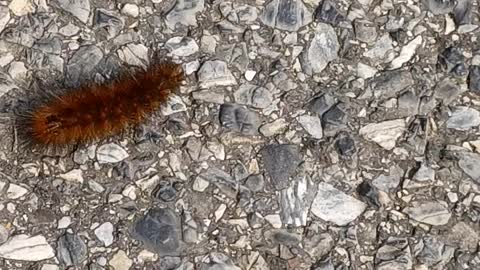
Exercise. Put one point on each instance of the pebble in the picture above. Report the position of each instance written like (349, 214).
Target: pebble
(215, 73)
(463, 118)
(75, 175)
(21, 7)
(64, 222)
(120, 261)
(111, 153)
(78, 8)
(131, 10)
(430, 212)
(240, 119)
(104, 233)
(280, 162)
(71, 250)
(332, 205)
(384, 133)
(274, 128)
(181, 46)
(323, 49)
(252, 95)
(15, 191)
(22, 247)
(184, 13)
(406, 53)
(285, 15)
(312, 125)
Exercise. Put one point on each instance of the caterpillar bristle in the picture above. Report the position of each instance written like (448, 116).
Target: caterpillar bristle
(66, 117)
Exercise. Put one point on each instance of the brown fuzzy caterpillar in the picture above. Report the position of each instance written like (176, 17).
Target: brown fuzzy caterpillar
(97, 111)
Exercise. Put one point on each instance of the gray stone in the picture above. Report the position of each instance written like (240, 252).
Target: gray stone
(389, 84)
(468, 162)
(331, 204)
(71, 250)
(462, 12)
(435, 254)
(273, 128)
(406, 53)
(239, 119)
(218, 261)
(312, 125)
(463, 236)
(104, 233)
(295, 201)
(181, 46)
(474, 79)
(433, 213)
(384, 133)
(82, 63)
(281, 162)
(159, 231)
(134, 54)
(111, 153)
(382, 51)
(107, 24)
(365, 31)
(215, 73)
(439, 7)
(463, 118)
(210, 96)
(424, 173)
(289, 15)
(78, 8)
(120, 261)
(184, 13)
(282, 237)
(328, 13)
(447, 91)
(321, 104)
(252, 95)
(22, 247)
(323, 49)
(394, 254)
(318, 245)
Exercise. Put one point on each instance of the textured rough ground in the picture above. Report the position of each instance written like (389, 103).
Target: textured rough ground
(309, 134)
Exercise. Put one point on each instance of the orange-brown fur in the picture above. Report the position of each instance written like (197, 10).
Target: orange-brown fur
(94, 112)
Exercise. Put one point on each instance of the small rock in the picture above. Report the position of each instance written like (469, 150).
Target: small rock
(387, 183)
(104, 233)
(21, 7)
(435, 253)
(4, 17)
(394, 254)
(71, 250)
(74, 175)
(120, 261)
(255, 182)
(365, 71)
(434, 213)
(440, 7)
(131, 10)
(274, 128)
(218, 261)
(318, 245)
(369, 193)
(328, 13)
(474, 79)
(345, 146)
(463, 236)
(83, 62)
(296, 200)
(252, 95)
(107, 24)
(463, 118)
(4, 234)
(134, 54)
(446, 91)
(282, 237)
(181, 46)
(78, 8)
(323, 49)
(424, 173)
(452, 60)
(250, 74)
(289, 15)
(111, 153)
(384, 133)
(25, 248)
(49, 267)
(312, 125)
(382, 51)
(365, 31)
(406, 53)
(15, 191)
(468, 162)
(239, 119)
(64, 222)
(330, 204)
(158, 230)
(200, 184)
(17, 71)
(280, 162)
(184, 13)
(215, 73)
(389, 84)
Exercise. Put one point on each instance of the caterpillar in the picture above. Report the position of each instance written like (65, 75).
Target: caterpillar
(95, 111)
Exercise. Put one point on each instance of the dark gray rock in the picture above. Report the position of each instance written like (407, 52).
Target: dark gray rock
(239, 119)
(282, 237)
(438, 7)
(165, 191)
(71, 249)
(365, 31)
(394, 254)
(328, 13)
(462, 12)
(280, 162)
(82, 64)
(369, 193)
(321, 104)
(447, 91)
(159, 231)
(107, 24)
(345, 145)
(474, 79)
(289, 15)
(452, 60)
(389, 84)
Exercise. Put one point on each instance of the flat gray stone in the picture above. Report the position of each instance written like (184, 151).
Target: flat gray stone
(252, 95)
(184, 13)
(469, 163)
(215, 73)
(384, 133)
(311, 124)
(463, 118)
(433, 213)
(78, 8)
(26, 248)
(331, 204)
(323, 49)
(390, 83)
(280, 162)
(83, 62)
(289, 15)
(111, 153)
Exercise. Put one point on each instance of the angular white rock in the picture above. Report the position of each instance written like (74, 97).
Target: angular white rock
(406, 53)
(25, 248)
(215, 73)
(104, 233)
(384, 133)
(331, 204)
(312, 125)
(111, 153)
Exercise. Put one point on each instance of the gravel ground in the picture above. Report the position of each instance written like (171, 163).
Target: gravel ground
(314, 134)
